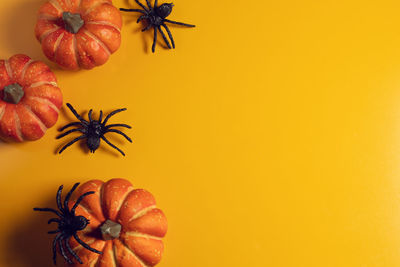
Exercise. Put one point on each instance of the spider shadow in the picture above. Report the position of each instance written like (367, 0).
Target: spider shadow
(19, 31)
(116, 140)
(28, 243)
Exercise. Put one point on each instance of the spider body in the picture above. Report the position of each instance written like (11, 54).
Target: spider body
(68, 225)
(156, 17)
(93, 130)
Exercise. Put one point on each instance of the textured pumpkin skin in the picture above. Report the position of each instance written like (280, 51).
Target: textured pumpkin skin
(39, 107)
(143, 225)
(92, 45)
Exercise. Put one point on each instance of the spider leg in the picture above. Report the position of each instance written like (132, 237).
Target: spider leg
(179, 23)
(118, 125)
(113, 146)
(72, 142)
(53, 220)
(141, 18)
(70, 131)
(79, 201)
(133, 10)
(155, 3)
(140, 4)
(90, 115)
(148, 4)
(66, 200)
(147, 27)
(55, 248)
(86, 245)
(58, 198)
(112, 114)
(69, 125)
(100, 116)
(50, 210)
(169, 34)
(76, 114)
(164, 37)
(60, 244)
(119, 132)
(153, 48)
(71, 251)
(54, 232)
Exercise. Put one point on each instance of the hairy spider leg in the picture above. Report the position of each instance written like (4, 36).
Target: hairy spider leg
(66, 200)
(79, 201)
(100, 116)
(55, 248)
(133, 10)
(112, 114)
(153, 48)
(86, 245)
(169, 34)
(119, 132)
(68, 246)
(70, 131)
(118, 125)
(164, 37)
(113, 146)
(71, 143)
(60, 244)
(58, 198)
(179, 23)
(53, 220)
(148, 4)
(140, 4)
(142, 17)
(54, 232)
(70, 125)
(76, 114)
(90, 115)
(50, 210)
(155, 3)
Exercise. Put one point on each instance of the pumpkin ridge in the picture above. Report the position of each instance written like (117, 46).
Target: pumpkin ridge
(57, 44)
(100, 42)
(47, 33)
(139, 234)
(56, 5)
(44, 101)
(89, 10)
(27, 64)
(75, 49)
(8, 69)
(114, 254)
(142, 212)
(39, 121)
(123, 201)
(2, 111)
(105, 23)
(37, 84)
(18, 126)
(134, 254)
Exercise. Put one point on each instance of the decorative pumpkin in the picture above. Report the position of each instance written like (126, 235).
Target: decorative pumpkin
(79, 33)
(29, 99)
(124, 224)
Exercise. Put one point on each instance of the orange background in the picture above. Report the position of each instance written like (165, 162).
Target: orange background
(270, 136)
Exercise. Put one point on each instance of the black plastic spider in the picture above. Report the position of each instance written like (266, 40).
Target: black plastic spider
(93, 130)
(68, 225)
(156, 17)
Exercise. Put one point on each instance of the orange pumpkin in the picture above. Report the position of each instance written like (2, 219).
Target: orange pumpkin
(29, 99)
(125, 225)
(79, 33)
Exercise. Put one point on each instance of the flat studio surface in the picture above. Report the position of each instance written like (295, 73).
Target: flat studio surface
(269, 136)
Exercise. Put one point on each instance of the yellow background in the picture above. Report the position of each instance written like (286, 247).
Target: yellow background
(270, 136)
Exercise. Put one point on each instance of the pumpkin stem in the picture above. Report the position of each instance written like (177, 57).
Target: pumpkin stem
(13, 93)
(110, 230)
(73, 22)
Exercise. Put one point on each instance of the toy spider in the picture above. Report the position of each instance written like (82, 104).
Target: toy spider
(156, 17)
(93, 130)
(68, 225)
